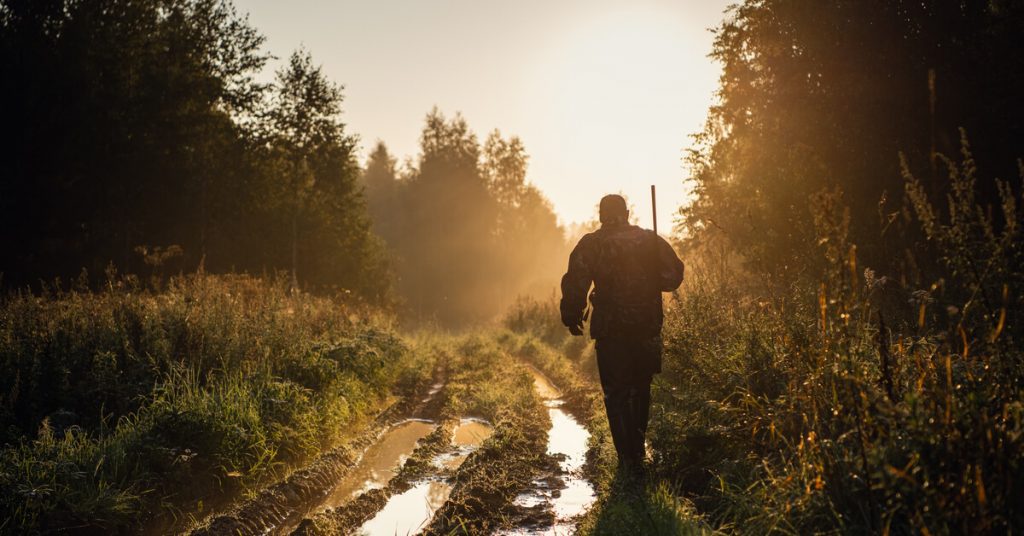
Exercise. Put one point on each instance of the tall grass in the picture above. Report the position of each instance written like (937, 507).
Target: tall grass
(541, 319)
(127, 404)
(857, 402)
(862, 403)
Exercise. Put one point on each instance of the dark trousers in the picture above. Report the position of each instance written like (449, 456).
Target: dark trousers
(626, 368)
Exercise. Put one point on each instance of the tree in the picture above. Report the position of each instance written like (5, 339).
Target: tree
(313, 183)
(534, 243)
(120, 131)
(450, 218)
(822, 96)
(468, 232)
(504, 167)
(382, 187)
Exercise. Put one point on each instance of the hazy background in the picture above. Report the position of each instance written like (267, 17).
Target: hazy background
(603, 94)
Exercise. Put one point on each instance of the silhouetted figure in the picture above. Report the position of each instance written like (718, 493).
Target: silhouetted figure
(629, 267)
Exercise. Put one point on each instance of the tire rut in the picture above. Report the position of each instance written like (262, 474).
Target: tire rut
(280, 506)
(561, 491)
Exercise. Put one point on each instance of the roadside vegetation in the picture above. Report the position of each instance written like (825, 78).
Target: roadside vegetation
(844, 355)
(858, 403)
(622, 506)
(132, 405)
(861, 404)
(481, 380)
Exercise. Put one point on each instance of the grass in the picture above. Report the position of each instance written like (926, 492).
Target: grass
(129, 406)
(848, 403)
(482, 381)
(623, 506)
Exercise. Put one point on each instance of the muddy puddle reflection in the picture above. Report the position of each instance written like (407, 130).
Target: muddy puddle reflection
(409, 512)
(545, 389)
(381, 461)
(567, 442)
(433, 391)
(467, 438)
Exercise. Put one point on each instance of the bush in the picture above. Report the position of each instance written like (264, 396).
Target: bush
(127, 404)
(858, 403)
(539, 318)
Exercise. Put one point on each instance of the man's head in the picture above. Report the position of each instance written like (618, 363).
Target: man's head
(613, 209)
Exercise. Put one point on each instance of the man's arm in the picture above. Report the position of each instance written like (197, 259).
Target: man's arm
(575, 285)
(670, 268)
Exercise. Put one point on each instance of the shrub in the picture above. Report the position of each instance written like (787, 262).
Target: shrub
(859, 403)
(540, 318)
(128, 404)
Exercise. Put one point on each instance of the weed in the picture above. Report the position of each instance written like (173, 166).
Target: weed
(130, 405)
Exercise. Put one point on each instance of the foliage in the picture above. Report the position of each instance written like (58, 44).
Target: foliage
(857, 404)
(537, 317)
(313, 190)
(140, 126)
(821, 96)
(867, 378)
(468, 232)
(128, 405)
(112, 104)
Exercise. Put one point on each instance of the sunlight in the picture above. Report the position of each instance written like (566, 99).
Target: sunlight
(621, 93)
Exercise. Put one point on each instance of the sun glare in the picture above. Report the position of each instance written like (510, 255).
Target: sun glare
(620, 94)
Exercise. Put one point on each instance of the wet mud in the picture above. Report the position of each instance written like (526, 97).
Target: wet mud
(278, 508)
(409, 500)
(381, 462)
(561, 492)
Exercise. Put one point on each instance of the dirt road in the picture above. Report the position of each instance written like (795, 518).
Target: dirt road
(491, 445)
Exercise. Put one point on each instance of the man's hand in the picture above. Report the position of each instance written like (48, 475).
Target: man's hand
(576, 329)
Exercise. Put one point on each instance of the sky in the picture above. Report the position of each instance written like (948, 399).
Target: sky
(604, 94)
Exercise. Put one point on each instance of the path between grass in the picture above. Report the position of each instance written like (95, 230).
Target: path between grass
(484, 378)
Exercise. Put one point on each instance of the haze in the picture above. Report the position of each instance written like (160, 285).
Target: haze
(603, 94)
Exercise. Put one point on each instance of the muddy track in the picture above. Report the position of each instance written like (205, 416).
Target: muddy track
(289, 500)
(534, 476)
(486, 485)
(529, 477)
(478, 488)
(561, 490)
(349, 516)
(474, 494)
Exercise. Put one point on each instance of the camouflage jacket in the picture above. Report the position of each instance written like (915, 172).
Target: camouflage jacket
(629, 267)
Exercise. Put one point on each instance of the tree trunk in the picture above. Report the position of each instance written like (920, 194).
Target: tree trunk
(295, 250)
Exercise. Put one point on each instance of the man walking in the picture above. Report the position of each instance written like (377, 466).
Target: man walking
(629, 267)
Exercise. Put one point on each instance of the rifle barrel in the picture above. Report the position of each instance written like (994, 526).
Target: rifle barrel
(654, 209)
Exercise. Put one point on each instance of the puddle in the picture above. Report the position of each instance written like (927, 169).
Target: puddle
(433, 391)
(574, 499)
(381, 461)
(407, 513)
(467, 438)
(567, 442)
(544, 387)
(567, 438)
(471, 433)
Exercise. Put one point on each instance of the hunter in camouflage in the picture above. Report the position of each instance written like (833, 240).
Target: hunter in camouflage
(629, 268)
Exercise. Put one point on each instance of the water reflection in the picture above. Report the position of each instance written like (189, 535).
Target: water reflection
(381, 461)
(567, 442)
(467, 438)
(409, 512)
(567, 439)
(545, 389)
(471, 433)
